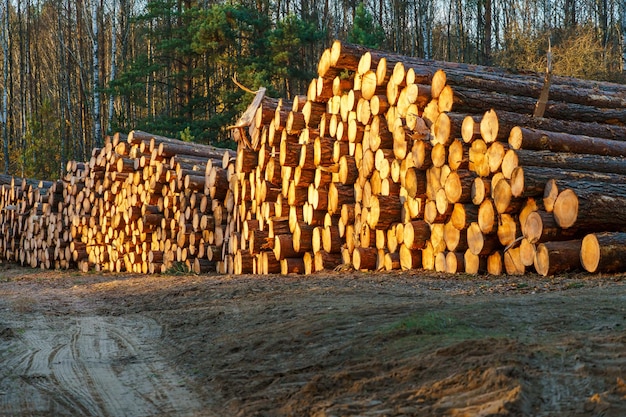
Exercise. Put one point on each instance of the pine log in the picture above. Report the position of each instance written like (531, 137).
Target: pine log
(292, 266)
(508, 231)
(324, 260)
(573, 161)
(410, 258)
(473, 100)
(509, 120)
(495, 264)
(479, 243)
(458, 186)
(558, 257)
(365, 259)
(474, 263)
(512, 262)
(541, 226)
(603, 252)
(535, 139)
(589, 206)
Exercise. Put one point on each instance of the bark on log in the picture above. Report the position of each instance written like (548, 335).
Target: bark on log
(535, 139)
(604, 252)
(590, 206)
(557, 257)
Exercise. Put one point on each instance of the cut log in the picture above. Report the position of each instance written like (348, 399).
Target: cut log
(475, 100)
(512, 262)
(603, 252)
(535, 139)
(540, 226)
(527, 252)
(365, 259)
(479, 243)
(495, 263)
(474, 263)
(557, 257)
(507, 230)
(325, 260)
(458, 186)
(292, 266)
(410, 258)
(455, 262)
(509, 120)
(591, 206)
(572, 161)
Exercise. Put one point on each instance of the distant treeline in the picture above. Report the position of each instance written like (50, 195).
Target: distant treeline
(75, 71)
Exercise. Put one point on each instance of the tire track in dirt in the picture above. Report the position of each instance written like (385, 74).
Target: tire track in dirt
(89, 366)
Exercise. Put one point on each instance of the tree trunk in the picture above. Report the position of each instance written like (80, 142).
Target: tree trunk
(113, 69)
(97, 129)
(5, 93)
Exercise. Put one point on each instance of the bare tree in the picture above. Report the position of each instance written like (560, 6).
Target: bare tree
(622, 12)
(113, 62)
(5, 93)
(97, 126)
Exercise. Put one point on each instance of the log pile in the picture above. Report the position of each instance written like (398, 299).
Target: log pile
(391, 162)
(142, 203)
(149, 207)
(33, 226)
(386, 163)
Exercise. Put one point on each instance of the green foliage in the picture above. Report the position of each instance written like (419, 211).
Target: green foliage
(287, 43)
(40, 155)
(186, 135)
(178, 268)
(364, 30)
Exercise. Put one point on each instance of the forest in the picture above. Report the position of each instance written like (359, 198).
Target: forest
(75, 71)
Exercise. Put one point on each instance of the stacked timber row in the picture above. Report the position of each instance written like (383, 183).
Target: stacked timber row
(33, 225)
(145, 205)
(391, 162)
(388, 162)
(141, 204)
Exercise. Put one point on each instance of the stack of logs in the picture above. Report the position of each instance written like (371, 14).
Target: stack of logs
(33, 226)
(391, 162)
(388, 162)
(143, 203)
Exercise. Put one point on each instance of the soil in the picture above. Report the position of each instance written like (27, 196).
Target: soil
(334, 344)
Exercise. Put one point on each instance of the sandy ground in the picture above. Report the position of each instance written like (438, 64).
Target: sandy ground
(337, 344)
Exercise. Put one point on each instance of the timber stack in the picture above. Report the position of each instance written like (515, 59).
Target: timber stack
(387, 162)
(142, 203)
(393, 162)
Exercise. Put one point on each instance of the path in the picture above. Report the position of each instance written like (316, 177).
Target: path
(88, 366)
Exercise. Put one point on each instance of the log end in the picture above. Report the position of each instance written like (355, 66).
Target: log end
(467, 129)
(566, 209)
(324, 63)
(516, 138)
(542, 260)
(438, 83)
(365, 63)
(590, 253)
(489, 126)
(533, 227)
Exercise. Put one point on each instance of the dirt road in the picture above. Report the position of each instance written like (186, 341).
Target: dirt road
(326, 345)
